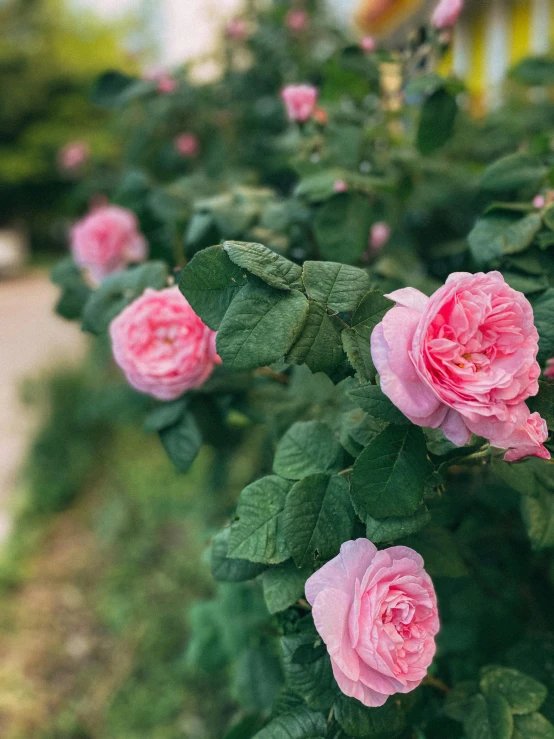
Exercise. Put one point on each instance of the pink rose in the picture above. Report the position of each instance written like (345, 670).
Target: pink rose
(527, 440)
(73, 155)
(340, 186)
(187, 144)
(300, 101)
(236, 29)
(166, 84)
(106, 240)
(380, 234)
(377, 613)
(463, 360)
(539, 201)
(297, 20)
(446, 13)
(368, 44)
(162, 346)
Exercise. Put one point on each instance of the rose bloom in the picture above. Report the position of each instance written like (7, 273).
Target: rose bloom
(446, 13)
(380, 234)
(73, 155)
(377, 613)
(187, 144)
(464, 360)
(300, 101)
(162, 346)
(368, 44)
(107, 240)
(236, 29)
(297, 20)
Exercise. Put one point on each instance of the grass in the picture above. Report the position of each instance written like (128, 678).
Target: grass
(107, 556)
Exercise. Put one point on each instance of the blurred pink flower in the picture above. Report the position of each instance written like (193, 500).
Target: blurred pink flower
(340, 186)
(446, 13)
(166, 84)
(297, 20)
(380, 234)
(187, 144)
(377, 613)
(300, 101)
(73, 155)
(539, 201)
(237, 29)
(549, 371)
(368, 44)
(106, 240)
(162, 346)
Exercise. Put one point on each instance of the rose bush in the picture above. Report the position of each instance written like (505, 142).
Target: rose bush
(381, 300)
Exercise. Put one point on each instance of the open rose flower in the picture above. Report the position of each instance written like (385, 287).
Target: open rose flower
(377, 613)
(464, 360)
(162, 346)
(300, 101)
(107, 240)
(446, 13)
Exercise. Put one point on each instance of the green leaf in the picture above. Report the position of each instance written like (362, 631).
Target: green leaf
(210, 282)
(312, 679)
(534, 71)
(538, 518)
(534, 726)
(389, 529)
(300, 723)
(257, 532)
(270, 267)
(458, 700)
(489, 718)
(260, 326)
(439, 549)
(319, 344)
(389, 475)
(75, 292)
(523, 693)
(375, 403)
(436, 121)
(543, 309)
(307, 447)
(117, 291)
(166, 414)
(342, 227)
(543, 403)
(318, 518)
(182, 442)
(319, 186)
(514, 172)
(283, 586)
(339, 287)
(494, 236)
(356, 339)
(227, 569)
(256, 678)
(529, 477)
(109, 88)
(386, 722)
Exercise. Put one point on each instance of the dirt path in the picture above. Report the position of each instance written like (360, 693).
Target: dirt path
(32, 340)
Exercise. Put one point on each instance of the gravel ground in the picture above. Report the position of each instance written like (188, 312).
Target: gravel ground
(32, 340)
